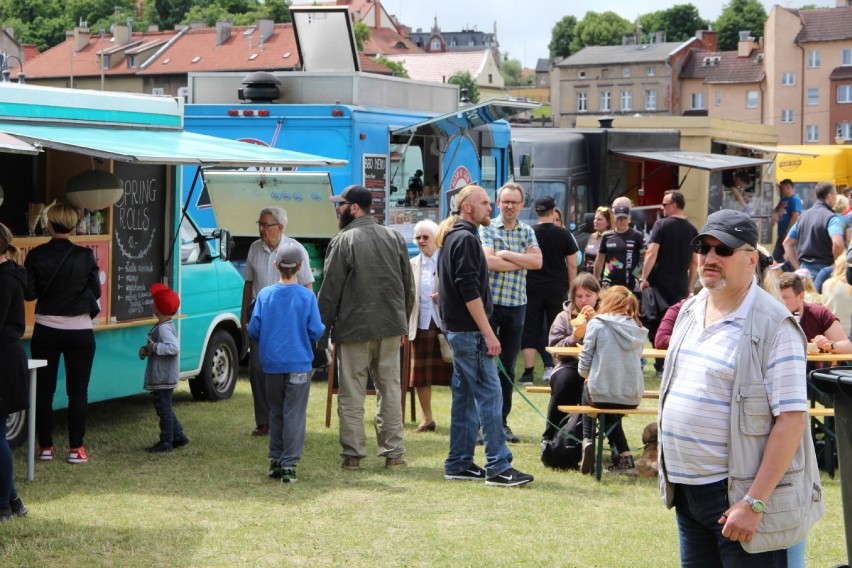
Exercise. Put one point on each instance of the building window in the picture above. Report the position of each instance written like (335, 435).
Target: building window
(649, 72)
(606, 101)
(435, 45)
(490, 79)
(453, 43)
(718, 98)
(131, 61)
(813, 96)
(604, 73)
(844, 130)
(651, 100)
(788, 79)
(581, 74)
(625, 72)
(844, 94)
(582, 102)
(846, 57)
(813, 133)
(105, 61)
(626, 100)
(698, 102)
(787, 116)
(813, 59)
(752, 99)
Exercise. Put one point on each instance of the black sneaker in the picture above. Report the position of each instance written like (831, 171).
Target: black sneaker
(6, 515)
(510, 436)
(509, 478)
(18, 507)
(159, 447)
(625, 465)
(180, 442)
(472, 473)
(526, 378)
(274, 470)
(288, 475)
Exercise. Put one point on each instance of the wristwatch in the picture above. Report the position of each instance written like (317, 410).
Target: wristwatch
(756, 505)
(831, 345)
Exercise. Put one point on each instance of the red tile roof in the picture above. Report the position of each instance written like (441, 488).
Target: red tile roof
(830, 24)
(729, 68)
(384, 41)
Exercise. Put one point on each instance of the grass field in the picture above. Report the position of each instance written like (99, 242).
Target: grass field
(211, 504)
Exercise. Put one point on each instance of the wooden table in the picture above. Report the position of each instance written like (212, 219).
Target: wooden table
(651, 353)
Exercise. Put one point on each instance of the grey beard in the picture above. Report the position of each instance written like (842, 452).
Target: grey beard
(720, 284)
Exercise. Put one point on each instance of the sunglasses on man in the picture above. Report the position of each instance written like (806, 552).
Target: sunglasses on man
(721, 250)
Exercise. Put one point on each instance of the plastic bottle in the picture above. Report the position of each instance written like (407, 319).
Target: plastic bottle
(82, 225)
(88, 222)
(97, 227)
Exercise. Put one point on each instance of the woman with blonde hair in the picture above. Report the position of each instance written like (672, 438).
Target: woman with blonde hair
(837, 294)
(63, 278)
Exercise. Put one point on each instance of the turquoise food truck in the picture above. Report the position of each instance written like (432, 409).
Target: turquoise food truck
(116, 158)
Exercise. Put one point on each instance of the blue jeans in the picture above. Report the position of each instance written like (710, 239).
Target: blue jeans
(508, 325)
(813, 268)
(7, 480)
(476, 401)
(287, 395)
(171, 430)
(702, 544)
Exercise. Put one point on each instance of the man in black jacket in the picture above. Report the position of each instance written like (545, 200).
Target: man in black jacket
(464, 299)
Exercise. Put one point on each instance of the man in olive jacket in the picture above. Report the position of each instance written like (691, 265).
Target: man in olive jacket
(366, 298)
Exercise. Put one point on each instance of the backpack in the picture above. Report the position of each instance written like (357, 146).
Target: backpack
(564, 452)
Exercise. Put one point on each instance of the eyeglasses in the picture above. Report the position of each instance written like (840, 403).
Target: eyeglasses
(664, 204)
(263, 225)
(421, 238)
(721, 250)
(512, 203)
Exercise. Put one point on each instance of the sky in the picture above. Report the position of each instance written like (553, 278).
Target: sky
(524, 26)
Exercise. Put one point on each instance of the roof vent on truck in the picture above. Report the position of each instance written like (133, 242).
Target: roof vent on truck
(260, 87)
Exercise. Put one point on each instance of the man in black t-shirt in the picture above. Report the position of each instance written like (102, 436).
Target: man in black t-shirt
(547, 287)
(670, 265)
(620, 252)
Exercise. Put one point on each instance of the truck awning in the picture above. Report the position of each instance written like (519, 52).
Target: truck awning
(466, 118)
(174, 147)
(12, 145)
(698, 160)
(766, 149)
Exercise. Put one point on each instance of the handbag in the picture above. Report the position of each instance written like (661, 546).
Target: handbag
(446, 350)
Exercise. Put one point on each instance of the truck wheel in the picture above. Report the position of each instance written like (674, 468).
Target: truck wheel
(196, 387)
(16, 428)
(219, 373)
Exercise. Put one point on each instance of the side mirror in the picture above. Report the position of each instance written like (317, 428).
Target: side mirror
(226, 243)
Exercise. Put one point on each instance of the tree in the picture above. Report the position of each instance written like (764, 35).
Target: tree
(739, 15)
(465, 81)
(362, 34)
(396, 66)
(561, 36)
(679, 22)
(606, 28)
(513, 72)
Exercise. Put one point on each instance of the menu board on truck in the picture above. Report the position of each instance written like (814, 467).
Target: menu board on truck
(375, 168)
(138, 238)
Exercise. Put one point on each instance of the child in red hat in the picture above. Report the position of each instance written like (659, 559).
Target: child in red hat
(163, 369)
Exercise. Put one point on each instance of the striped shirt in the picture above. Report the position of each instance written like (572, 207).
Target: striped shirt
(696, 414)
(508, 288)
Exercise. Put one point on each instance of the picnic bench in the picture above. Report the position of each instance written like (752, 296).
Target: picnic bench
(599, 432)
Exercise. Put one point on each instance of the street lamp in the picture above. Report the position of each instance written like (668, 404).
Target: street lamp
(4, 68)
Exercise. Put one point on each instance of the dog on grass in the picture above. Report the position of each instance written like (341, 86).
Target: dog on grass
(648, 465)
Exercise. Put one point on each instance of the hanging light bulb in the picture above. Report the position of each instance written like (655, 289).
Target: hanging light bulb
(94, 190)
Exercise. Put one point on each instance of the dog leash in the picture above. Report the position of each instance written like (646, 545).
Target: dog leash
(501, 369)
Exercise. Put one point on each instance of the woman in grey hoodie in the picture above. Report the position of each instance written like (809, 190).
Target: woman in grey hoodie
(611, 363)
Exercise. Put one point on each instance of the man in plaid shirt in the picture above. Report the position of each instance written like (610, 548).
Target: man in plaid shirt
(511, 249)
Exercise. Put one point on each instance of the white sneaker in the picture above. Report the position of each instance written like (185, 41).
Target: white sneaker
(548, 371)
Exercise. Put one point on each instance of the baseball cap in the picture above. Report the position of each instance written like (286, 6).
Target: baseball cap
(734, 228)
(288, 255)
(544, 204)
(166, 301)
(621, 211)
(357, 194)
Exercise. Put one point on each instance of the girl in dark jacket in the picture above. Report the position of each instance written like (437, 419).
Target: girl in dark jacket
(13, 371)
(63, 278)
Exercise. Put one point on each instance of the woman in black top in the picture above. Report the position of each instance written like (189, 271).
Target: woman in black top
(63, 278)
(13, 370)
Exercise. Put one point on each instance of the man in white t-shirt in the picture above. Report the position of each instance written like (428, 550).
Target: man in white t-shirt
(261, 272)
(736, 458)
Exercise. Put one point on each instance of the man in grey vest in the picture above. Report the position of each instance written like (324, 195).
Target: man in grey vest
(816, 239)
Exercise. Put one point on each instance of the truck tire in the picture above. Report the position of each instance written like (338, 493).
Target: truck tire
(196, 387)
(219, 372)
(16, 428)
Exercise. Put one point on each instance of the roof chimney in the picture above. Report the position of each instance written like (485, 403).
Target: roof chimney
(266, 27)
(120, 34)
(709, 39)
(223, 31)
(81, 38)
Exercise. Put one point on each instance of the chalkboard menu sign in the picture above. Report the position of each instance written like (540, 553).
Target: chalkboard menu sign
(138, 238)
(375, 168)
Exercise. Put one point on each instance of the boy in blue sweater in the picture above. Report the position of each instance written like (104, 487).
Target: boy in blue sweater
(284, 322)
